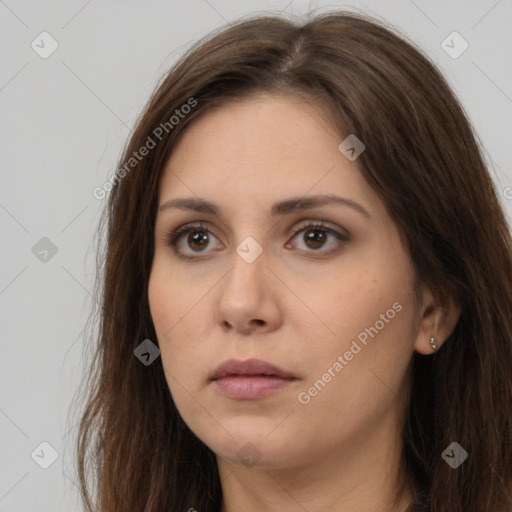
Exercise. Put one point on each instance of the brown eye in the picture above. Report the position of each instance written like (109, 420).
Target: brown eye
(315, 238)
(197, 240)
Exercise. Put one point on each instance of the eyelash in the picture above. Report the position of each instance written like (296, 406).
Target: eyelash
(173, 237)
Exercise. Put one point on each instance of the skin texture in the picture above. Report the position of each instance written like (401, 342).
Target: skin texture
(299, 306)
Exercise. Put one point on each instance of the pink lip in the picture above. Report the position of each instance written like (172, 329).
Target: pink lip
(250, 388)
(251, 379)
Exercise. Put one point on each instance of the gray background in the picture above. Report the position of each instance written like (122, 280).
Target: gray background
(63, 122)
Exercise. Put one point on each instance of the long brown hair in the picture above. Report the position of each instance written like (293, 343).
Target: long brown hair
(424, 160)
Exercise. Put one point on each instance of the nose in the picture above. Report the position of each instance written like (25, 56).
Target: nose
(249, 297)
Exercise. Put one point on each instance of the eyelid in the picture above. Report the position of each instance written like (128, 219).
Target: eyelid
(320, 224)
(171, 238)
(173, 235)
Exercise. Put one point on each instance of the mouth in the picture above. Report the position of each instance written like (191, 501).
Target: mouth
(251, 379)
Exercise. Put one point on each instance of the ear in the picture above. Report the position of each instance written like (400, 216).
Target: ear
(439, 314)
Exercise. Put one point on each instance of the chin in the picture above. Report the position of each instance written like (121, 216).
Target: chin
(257, 447)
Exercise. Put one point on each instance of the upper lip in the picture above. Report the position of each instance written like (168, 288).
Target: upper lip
(249, 367)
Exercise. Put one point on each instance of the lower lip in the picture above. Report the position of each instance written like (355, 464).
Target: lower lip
(251, 388)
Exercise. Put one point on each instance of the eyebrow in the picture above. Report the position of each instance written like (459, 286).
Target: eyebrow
(291, 205)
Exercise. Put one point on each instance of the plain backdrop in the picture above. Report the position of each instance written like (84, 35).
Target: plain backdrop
(64, 118)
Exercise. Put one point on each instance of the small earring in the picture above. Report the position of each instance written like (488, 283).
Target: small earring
(433, 343)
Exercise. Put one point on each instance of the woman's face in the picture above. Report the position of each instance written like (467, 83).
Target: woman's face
(331, 306)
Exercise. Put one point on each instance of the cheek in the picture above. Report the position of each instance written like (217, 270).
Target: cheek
(371, 323)
(180, 324)
(184, 351)
(355, 379)
(356, 298)
(173, 299)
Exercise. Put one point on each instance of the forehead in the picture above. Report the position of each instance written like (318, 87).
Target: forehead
(284, 139)
(279, 123)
